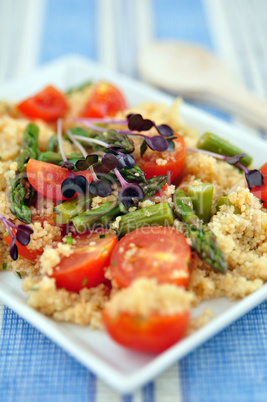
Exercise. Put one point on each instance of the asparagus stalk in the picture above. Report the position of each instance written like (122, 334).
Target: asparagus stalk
(213, 143)
(52, 144)
(201, 196)
(56, 159)
(110, 137)
(21, 192)
(118, 210)
(153, 186)
(131, 174)
(88, 219)
(225, 201)
(50, 157)
(67, 210)
(203, 239)
(154, 215)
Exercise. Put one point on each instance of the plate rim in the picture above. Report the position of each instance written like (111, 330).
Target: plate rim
(130, 382)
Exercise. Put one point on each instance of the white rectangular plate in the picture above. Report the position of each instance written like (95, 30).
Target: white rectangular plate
(120, 368)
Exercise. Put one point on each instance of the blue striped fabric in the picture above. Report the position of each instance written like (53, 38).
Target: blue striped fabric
(230, 367)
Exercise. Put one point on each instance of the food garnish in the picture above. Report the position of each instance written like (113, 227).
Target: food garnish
(22, 235)
(253, 177)
(203, 239)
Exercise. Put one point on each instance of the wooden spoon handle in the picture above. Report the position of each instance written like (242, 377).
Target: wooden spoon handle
(242, 102)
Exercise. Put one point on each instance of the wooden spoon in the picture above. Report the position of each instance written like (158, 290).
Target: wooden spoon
(195, 73)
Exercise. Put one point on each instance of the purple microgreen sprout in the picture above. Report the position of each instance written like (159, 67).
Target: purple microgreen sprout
(74, 183)
(137, 123)
(23, 236)
(131, 193)
(96, 187)
(253, 177)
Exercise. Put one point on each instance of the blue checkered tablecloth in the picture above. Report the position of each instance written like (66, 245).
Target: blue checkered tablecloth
(233, 365)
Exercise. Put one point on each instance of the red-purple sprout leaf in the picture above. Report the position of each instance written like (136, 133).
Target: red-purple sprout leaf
(101, 169)
(121, 164)
(165, 130)
(110, 161)
(81, 184)
(131, 194)
(137, 123)
(84, 164)
(67, 188)
(143, 148)
(13, 251)
(92, 188)
(235, 159)
(254, 178)
(157, 143)
(25, 228)
(81, 164)
(92, 159)
(23, 238)
(171, 145)
(129, 161)
(103, 188)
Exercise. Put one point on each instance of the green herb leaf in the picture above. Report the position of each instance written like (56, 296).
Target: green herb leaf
(19, 274)
(69, 240)
(102, 236)
(6, 234)
(143, 148)
(114, 263)
(84, 282)
(5, 265)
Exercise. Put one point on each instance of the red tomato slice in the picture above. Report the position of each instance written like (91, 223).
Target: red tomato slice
(85, 267)
(154, 334)
(106, 100)
(261, 192)
(47, 178)
(151, 252)
(175, 161)
(23, 250)
(48, 104)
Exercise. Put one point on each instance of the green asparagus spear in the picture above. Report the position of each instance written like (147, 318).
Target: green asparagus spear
(213, 143)
(88, 219)
(56, 159)
(111, 137)
(131, 174)
(69, 209)
(201, 196)
(52, 144)
(21, 192)
(118, 210)
(50, 157)
(153, 186)
(204, 241)
(225, 201)
(154, 215)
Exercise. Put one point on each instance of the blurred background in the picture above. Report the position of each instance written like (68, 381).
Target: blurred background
(113, 32)
(33, 32)
(230, 367)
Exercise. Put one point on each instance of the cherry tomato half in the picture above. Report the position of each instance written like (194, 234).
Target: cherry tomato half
(175, 161)
(47, 178)
(261, 192)
(153, 334)
(85, 266)
(48, 104)
(106, 100)
(151, 252)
